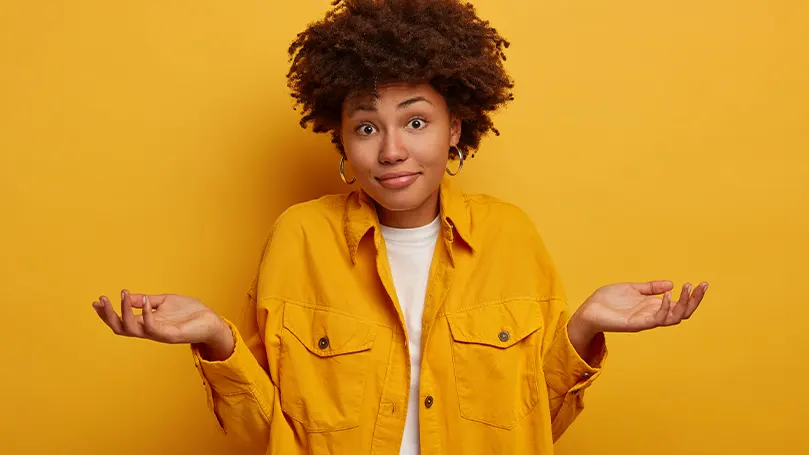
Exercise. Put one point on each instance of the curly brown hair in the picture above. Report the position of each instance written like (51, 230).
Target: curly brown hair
(362, 43)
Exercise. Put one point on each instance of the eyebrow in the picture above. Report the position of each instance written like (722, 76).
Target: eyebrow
(371, 108)
(415, 100)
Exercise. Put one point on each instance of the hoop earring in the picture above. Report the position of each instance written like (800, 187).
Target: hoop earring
(342, 172)
(460, 166)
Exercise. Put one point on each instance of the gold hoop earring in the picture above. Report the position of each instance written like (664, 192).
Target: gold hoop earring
(342, 172)
(460, 165)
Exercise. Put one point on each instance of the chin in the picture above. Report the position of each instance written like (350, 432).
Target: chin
(401, 200)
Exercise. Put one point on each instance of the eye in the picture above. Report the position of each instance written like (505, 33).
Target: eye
(365, 129)
(417, 123)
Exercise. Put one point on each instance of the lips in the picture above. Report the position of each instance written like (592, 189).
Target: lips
(397, 180)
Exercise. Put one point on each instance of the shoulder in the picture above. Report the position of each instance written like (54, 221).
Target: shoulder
(504, 225)
(310, 215)
(489, 212)
(313, 225)
(316, 220)
(514, 248)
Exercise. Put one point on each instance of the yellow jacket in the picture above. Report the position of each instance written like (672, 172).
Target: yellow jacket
(324, 368)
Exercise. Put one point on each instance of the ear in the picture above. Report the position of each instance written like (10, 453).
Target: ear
(454, 131)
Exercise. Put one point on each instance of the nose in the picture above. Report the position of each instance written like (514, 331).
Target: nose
(392, 149)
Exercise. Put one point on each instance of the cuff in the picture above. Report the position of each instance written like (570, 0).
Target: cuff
(231, 376)
(565, 370)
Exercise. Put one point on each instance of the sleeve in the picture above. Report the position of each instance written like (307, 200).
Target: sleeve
(240, 394)
(567, 375)
(241, 390)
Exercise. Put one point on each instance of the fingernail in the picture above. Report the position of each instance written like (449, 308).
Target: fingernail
(123, 295)
(144, 300)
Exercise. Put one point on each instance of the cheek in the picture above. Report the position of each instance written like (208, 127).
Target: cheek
(360, 155)
(432, 153)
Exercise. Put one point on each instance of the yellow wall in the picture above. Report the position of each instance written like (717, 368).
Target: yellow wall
(150, 145)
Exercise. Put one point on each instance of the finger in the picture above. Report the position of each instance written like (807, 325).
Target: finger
(131, 326)
(679, 308)
(136, 300)
(653, 287)
(108, 315)
(149, 324)
(695, 300)
(663, 312)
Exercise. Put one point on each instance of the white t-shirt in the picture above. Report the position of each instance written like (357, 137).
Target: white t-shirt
(410, 253)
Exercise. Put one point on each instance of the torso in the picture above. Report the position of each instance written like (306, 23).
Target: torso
(474, 391)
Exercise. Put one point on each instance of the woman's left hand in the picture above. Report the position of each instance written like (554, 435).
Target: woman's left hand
(633, 307)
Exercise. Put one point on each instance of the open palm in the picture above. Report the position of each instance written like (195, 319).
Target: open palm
(633, 307)
(166, 318)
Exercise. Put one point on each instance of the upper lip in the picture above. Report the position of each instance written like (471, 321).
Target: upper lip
(393, 175)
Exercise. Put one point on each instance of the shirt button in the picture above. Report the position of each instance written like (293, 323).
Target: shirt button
(504, 336)
(428, 402)
(323, 343)
(585, 375)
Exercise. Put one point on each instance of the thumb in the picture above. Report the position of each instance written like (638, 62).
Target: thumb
(653, 287)
(149, 324)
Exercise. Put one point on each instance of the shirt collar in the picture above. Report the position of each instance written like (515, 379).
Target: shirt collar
(360, 217)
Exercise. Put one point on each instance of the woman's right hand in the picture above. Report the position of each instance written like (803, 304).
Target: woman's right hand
(169, 318)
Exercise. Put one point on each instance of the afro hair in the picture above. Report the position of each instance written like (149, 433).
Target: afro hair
(362, 43)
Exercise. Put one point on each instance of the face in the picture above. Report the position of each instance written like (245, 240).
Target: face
(397, 146)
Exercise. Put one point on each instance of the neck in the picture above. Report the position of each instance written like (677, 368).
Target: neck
(411, 218)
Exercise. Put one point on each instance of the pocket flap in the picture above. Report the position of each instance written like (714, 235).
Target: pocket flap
(500, 325)
(325, 333)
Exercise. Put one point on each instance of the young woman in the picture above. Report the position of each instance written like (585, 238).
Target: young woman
(403, 317)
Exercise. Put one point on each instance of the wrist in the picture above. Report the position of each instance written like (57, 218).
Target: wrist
(220, 345)
(580, 328)
(582, 335)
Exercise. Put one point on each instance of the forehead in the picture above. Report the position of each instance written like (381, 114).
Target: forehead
(392, 94)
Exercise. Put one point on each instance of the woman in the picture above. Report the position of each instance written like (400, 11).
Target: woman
(402, 317)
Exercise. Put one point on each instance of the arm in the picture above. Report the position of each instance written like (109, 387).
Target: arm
(239, 390)
(239, 377)
(573, 349)
(577, 352)
(571, 358)
(239, 369)
(571, 362)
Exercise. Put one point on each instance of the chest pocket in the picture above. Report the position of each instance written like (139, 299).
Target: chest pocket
(495, 354)
(324, 365)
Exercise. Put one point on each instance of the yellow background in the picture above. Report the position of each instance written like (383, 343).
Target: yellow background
(150, 144)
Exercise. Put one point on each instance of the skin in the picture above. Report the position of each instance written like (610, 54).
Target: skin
(402, 129)
(396, 143)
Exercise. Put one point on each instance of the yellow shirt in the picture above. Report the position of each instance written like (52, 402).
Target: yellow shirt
(324, 368)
